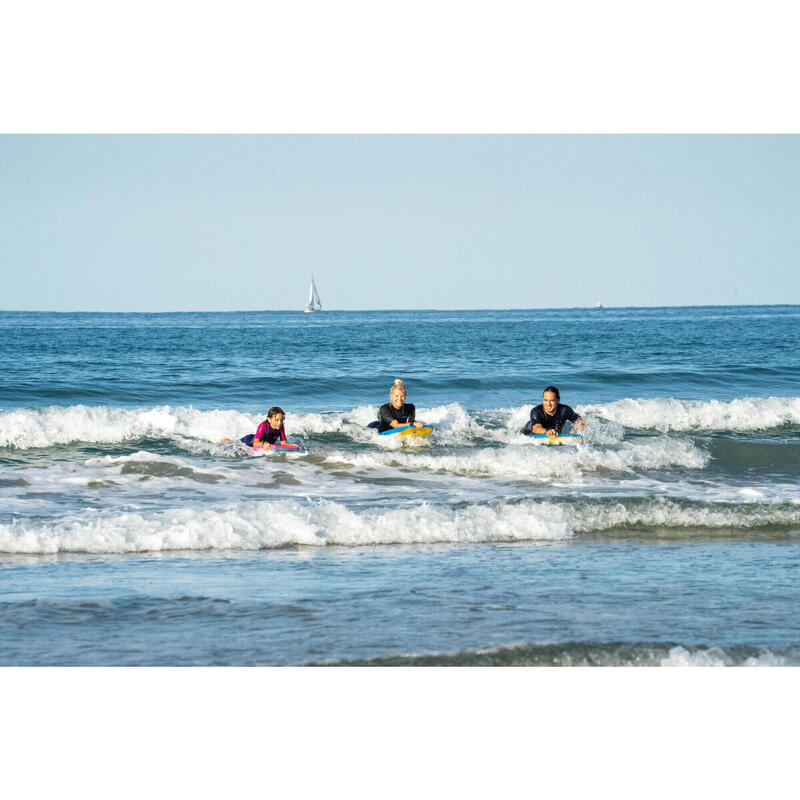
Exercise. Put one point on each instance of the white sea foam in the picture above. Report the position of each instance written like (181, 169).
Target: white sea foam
(525, 460)
(599, 655)
(706, 491)
(668, 414)
(669, 513)
(144, 480)
(196, 430)
(453, 424)
(456, 425)
(350, 423)
(42, 427)
(199, 431)
(270, 524)
(717, 657)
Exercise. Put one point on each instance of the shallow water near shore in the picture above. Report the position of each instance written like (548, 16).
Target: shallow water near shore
(670, 536)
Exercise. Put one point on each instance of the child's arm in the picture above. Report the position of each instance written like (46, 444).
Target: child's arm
(261, 434)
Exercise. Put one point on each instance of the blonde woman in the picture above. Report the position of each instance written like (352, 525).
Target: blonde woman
(396, 413)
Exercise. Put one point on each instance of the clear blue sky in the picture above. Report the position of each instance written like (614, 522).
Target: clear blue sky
(160, 223)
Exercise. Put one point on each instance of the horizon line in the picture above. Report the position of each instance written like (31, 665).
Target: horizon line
(392, 310)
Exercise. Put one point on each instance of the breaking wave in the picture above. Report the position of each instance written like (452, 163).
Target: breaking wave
(42, 427)
(455, 425)
(274, 524)
(668, 414)
(530, 461)
(579, 654)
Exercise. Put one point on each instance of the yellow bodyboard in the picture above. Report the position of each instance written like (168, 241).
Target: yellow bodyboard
(416, 432)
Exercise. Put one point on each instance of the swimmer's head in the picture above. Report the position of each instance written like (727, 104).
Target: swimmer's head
(550, 398)
(397, 392)
(275, 416)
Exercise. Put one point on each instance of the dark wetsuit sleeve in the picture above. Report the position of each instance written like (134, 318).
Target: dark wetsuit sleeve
(570, 414)
(385, 413)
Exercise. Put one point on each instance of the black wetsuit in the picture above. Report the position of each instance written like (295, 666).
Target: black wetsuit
(562, 415)
(387, 412)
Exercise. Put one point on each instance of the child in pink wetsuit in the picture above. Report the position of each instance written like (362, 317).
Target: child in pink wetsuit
(269, 431)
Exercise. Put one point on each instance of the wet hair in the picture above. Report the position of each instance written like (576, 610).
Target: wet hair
(397, 386)
(554, 391)
(275, 410)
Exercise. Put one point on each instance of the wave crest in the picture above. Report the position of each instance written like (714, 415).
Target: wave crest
(667, 414)
(583, 654)
(272, 524)
(527, 461)
(42, 427)
(455, 425)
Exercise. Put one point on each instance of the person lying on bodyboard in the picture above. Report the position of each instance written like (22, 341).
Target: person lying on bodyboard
(396, 413)
(270, 432)
(551, 416)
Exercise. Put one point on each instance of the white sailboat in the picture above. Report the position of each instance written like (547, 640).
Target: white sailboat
(314, 303)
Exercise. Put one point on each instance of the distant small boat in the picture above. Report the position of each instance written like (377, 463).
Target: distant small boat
(598, 304)
(314, 303)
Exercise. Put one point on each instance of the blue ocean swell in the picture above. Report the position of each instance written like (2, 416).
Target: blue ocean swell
(482, 359)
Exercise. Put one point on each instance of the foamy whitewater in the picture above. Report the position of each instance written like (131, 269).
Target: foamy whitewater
(669, 536)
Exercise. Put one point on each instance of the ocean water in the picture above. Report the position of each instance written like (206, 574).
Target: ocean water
(130, 536)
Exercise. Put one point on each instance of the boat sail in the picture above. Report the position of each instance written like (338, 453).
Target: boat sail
(314, 303)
